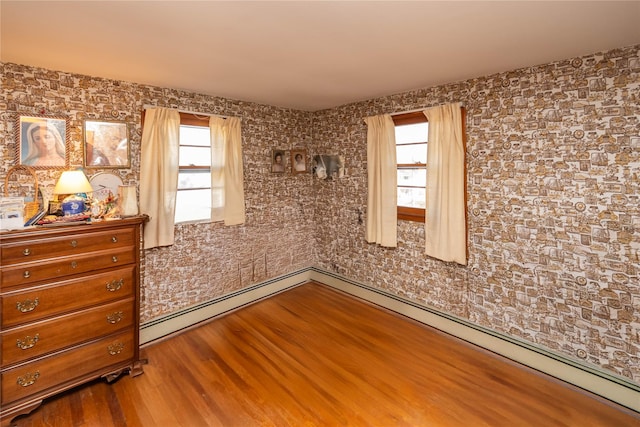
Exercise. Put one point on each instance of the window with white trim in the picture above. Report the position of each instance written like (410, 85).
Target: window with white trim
(193, 198)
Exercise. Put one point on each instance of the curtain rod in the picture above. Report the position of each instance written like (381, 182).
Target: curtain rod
(421, 109)
(195, 113)
(408, 111)
(418, 109)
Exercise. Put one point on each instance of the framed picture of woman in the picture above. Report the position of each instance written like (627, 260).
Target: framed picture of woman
(277, 161)
(42, 141)
(298, 161)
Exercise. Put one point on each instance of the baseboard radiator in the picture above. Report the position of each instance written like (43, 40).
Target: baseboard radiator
(598, 381)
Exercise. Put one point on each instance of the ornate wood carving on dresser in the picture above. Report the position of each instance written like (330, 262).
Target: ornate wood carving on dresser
(69, 309)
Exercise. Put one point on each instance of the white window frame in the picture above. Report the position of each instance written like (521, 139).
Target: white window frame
(188, 119)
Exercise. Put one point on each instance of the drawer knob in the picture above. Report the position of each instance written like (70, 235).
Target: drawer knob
(74, 264)
(114, 258)
(115, 285)
(28, 379)
(114, 239)
(27, 305)
(74, 243)
(26, 252)
(28, 342)
(115, 348)
(26, 274)
(115, 317)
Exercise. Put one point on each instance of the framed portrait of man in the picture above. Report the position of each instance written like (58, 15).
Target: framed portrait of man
(42, 141)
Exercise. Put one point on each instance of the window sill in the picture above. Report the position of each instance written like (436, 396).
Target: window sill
(195, 221)
(411, 214)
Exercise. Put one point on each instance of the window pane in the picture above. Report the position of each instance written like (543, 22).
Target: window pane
(412, 177)
(193, 205)
(194, 179)
(418, 132)
(195, 156)
(195, 135)
(411, 154)
(411, 197)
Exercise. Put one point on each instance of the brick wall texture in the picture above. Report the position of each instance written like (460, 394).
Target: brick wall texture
(553, 158)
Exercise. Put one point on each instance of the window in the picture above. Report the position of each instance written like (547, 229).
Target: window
(193, 199)
(412, 133)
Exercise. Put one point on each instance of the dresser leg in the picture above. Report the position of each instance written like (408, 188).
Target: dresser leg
(136, 369)
(5, 420)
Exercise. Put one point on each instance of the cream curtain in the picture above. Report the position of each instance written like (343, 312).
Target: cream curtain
(227, 177)
(382, 211)
(445, 225)
(159, 174)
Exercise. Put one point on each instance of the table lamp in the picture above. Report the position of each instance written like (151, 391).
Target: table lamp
(73, 184)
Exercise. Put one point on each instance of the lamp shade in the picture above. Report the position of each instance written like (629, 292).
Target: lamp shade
(72, 182)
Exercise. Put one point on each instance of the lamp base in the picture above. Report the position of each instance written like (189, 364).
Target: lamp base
(73, 206)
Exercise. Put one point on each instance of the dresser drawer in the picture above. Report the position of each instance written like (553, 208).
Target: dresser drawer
(56, 370)
(35, 303)
(25, 273)
(36, 339)
(26, 250)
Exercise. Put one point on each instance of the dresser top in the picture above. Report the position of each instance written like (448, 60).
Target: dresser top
(80, 227)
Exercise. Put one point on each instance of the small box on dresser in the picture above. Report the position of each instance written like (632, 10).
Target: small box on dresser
(69, 309)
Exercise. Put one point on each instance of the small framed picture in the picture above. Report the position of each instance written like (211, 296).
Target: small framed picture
(277, 161)
(54, 208)
(106, 144)
(42, 142)
(298, 161)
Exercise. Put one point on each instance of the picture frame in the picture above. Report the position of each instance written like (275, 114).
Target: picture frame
(298, 161)
(278, 164)
(106, 144)
(42, 141)
(54, 208)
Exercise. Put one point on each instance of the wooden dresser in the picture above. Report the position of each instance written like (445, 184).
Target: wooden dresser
(69, 309)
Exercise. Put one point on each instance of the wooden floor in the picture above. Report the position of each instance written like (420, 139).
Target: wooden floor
(312, 356)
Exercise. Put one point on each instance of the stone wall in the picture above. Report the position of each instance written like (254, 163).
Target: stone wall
(553, 159)
(208, 260)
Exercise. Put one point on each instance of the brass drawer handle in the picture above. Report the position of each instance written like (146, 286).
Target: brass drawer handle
(115, 348)
(115, 317)
(114, 239)
(27, 305)
(115, 285)
(26, 252)
(74, 243)
(28, 379)
(26, 274)
(114, 258)
(28, 342)
(74, 264)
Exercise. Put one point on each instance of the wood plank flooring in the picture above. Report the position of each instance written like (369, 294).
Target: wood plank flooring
(313, 356)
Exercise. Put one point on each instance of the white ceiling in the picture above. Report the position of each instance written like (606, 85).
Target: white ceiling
(307, 55)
